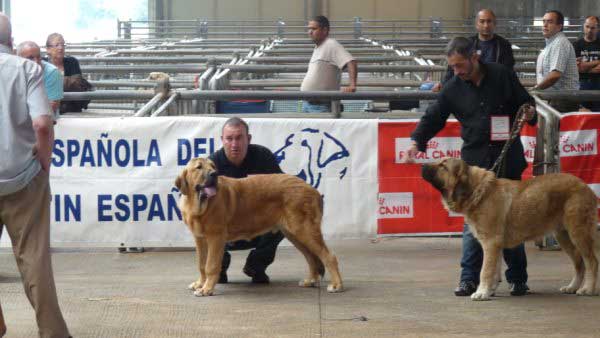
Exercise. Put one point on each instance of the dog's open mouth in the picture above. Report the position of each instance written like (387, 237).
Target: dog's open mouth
(209, 189)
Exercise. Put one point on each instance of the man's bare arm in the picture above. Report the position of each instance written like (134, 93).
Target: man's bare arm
(44, 134)
(587, 66)
(596, 69)
(352, 74)
(549, 80)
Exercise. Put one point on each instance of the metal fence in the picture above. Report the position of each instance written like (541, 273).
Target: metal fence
(356, 27)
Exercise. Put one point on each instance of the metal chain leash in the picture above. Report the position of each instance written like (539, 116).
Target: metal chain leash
(514, 133)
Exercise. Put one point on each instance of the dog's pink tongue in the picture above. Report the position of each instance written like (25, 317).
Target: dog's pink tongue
(210, 191)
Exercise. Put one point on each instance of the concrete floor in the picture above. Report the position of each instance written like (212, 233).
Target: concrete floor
(394, 288)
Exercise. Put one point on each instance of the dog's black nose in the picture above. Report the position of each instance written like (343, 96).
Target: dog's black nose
(427, 172)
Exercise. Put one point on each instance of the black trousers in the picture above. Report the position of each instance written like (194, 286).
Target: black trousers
(263, 251)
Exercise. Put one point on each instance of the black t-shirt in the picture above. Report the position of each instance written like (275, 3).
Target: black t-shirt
(588, 51)
(71, 65)
(259, 160)
(488, 51)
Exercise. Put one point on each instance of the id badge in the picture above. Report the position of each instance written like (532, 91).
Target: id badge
(500, 129)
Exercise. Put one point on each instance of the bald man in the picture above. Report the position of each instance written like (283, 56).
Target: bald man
(53, 79)
(26, 146)
(491, 47)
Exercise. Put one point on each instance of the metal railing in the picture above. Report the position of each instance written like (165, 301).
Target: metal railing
(356, 27)
(224, 95)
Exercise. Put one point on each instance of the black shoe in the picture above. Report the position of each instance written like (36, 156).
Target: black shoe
(222, 278)
(465, 288)
(518, 289)
(258, 277)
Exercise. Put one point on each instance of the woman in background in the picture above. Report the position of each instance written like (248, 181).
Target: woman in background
(73, 81)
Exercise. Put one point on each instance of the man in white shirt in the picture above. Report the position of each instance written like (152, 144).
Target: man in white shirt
(328, 60)
(556, 67)
(26, 141)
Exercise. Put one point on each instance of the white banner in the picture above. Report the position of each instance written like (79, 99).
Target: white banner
(112, 179)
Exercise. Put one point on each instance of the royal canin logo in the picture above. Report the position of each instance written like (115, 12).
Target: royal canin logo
(578, 143)
(433, 144)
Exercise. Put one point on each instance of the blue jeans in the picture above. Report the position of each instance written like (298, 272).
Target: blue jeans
(315, 108)
(590, 85)
(472, 260)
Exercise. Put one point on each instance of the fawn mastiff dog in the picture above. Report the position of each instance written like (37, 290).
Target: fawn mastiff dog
(219, 209)
(503, 213)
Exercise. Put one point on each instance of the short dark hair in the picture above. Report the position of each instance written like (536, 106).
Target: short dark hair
(486, 10)
(236, 122)
(593, 17)
(322, 21)
(460, 45)
(560, 18)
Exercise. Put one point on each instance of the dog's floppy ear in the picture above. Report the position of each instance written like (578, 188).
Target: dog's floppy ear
(181, 183)
(461, 189)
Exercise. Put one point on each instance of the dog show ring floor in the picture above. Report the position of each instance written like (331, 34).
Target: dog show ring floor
(394, 287)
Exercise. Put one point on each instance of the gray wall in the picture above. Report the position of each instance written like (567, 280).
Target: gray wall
(571, 8)
(367, 9)
(304, 9)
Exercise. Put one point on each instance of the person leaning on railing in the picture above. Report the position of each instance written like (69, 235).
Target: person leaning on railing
(556, 67)
(491, 47)
(73, 81)
(587, 52)
(328, 60)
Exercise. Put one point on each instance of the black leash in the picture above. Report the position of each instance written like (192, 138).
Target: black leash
(514, 133)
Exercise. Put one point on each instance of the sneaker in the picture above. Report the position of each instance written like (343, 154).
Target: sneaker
(223, 278)
(518, 289)
(465, 288)
(258, 277)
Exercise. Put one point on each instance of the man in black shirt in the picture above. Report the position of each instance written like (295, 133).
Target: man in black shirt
(491, 47)
(587, 51)
(238, 158)
(484, 98)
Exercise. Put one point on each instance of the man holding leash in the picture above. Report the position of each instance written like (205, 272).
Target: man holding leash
(238, 158)
(484, 98)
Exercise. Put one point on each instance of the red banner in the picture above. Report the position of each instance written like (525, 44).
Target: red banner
(578, 147)
(407, 203)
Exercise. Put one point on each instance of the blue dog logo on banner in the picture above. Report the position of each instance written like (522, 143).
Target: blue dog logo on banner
(315, 153)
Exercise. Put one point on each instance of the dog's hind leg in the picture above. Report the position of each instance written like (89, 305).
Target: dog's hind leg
(580, 221)
(214, 258)
(585, 246)
(562, 236)
(317, 246)
(201, 252)
(315, 266)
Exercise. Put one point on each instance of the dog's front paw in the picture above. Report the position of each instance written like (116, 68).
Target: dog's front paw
(587, 291)
(333, 288)
(203, 292)
(568, 289)
(481, 295)
(196, 285)
(308, 283)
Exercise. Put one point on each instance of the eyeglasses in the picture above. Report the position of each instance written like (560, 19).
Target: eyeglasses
(58, 45)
